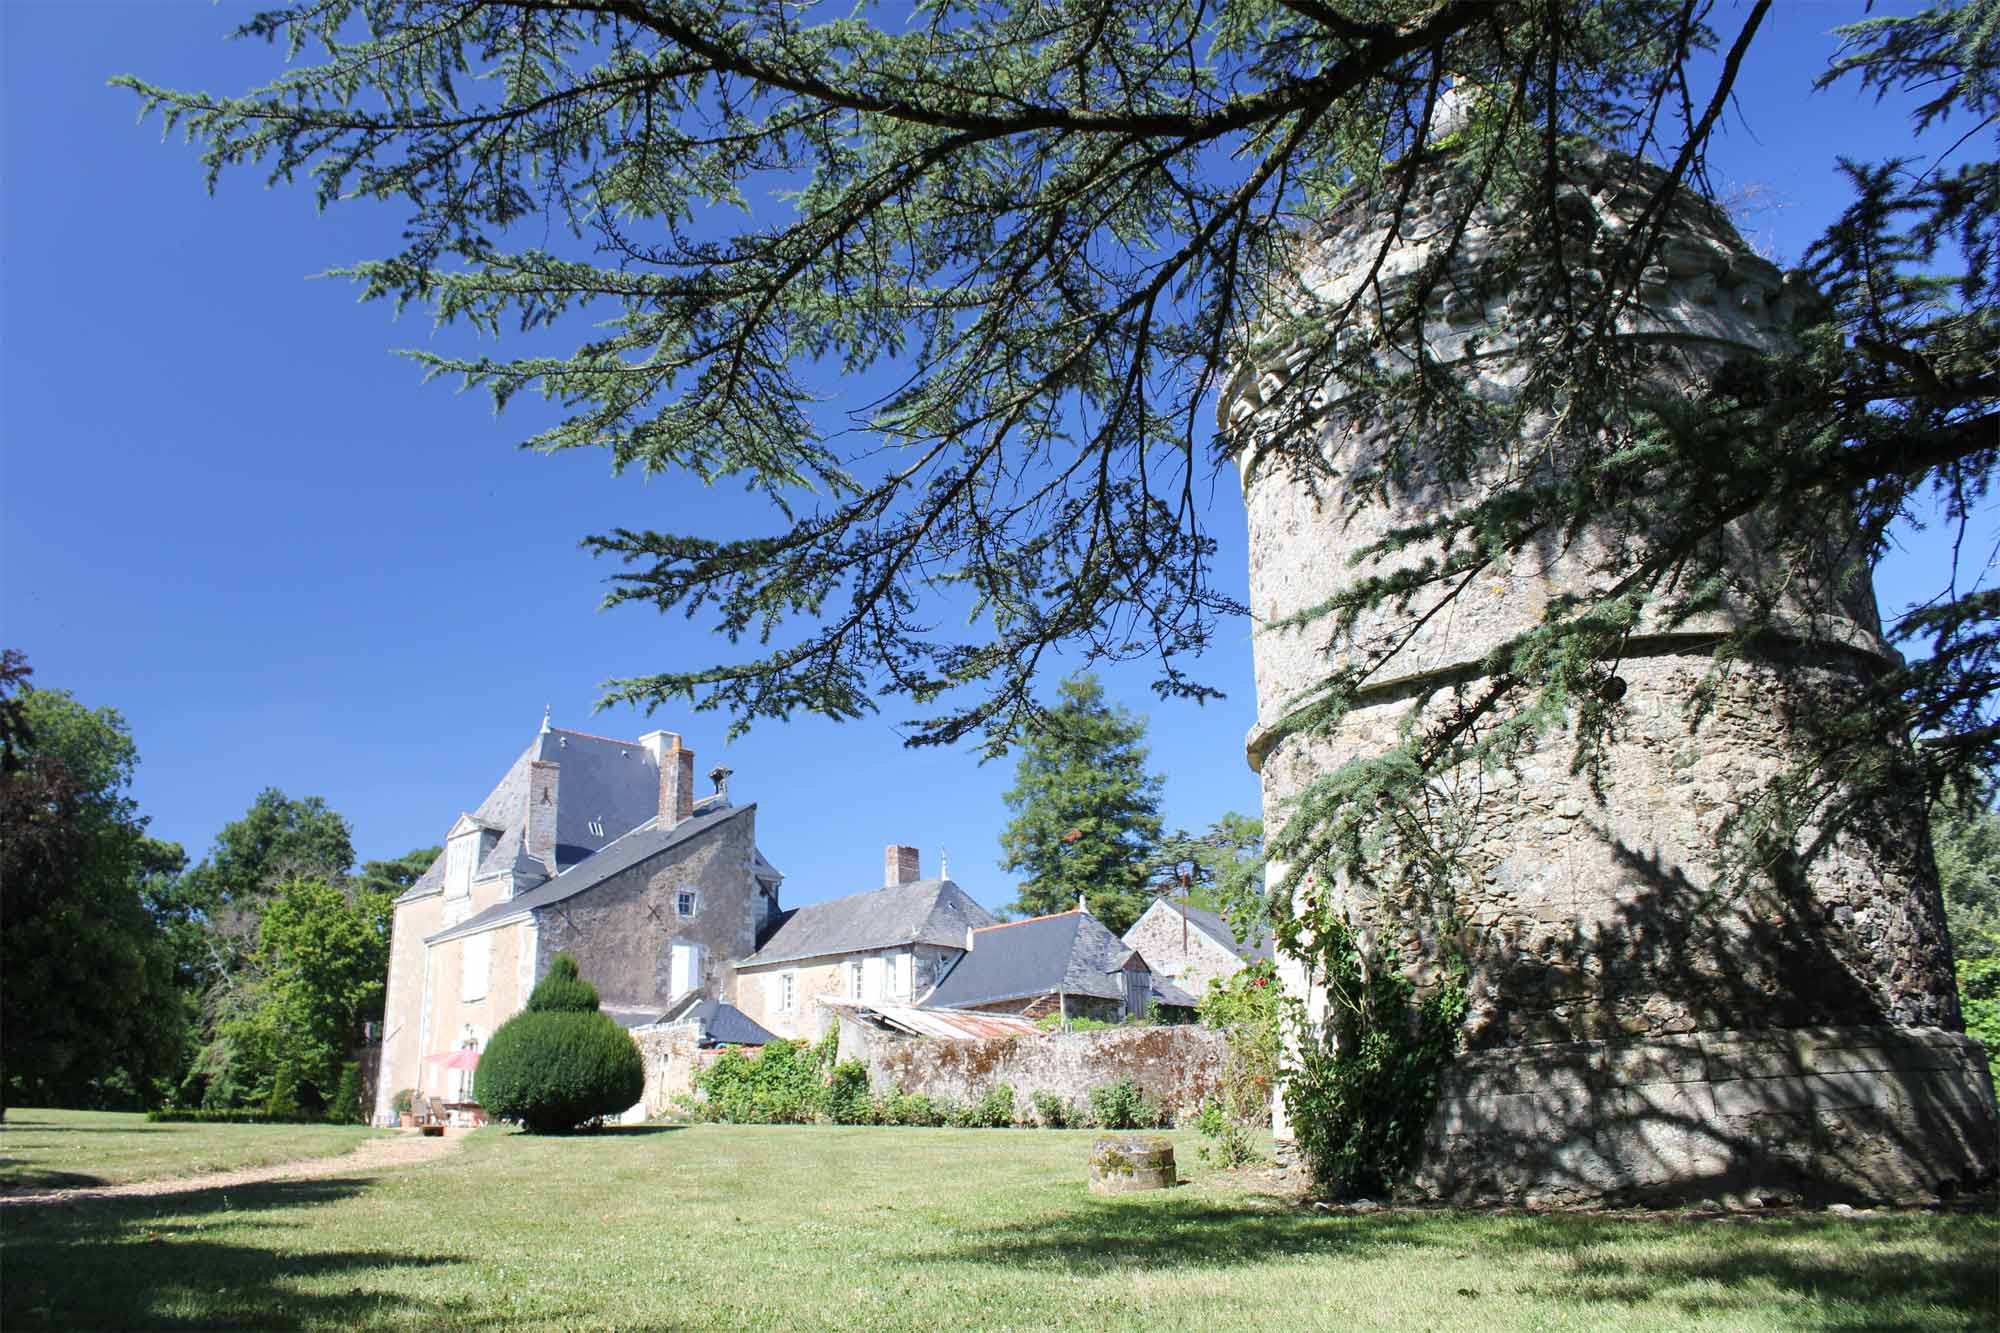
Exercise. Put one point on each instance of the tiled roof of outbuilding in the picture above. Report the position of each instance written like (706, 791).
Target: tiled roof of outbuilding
(1070, 951)
(929, 911)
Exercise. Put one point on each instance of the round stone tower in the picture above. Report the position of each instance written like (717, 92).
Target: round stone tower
(1642, 1025)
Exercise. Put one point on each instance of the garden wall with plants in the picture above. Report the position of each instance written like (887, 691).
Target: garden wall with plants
(1176, 1067)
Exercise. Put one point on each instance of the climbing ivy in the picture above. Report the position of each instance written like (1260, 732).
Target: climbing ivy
(1365, 1076)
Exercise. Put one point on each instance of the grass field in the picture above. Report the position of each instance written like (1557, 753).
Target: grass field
(62, 1149)
(716, 1226)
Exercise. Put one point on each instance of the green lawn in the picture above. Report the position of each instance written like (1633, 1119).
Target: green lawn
(717, 1226)
(62, 1149)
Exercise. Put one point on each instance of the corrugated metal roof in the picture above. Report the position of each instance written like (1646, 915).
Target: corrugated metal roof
(948, 1024)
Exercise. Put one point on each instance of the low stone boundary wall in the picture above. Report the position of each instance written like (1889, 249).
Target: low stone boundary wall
(1901, 1114)
(673, 1056)
(1179, 1066)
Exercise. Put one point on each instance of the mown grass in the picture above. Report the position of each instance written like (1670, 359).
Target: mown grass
(43, 1149)
(721, 1226)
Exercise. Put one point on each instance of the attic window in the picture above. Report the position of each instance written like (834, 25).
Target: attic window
(597, 827)
(684, 902)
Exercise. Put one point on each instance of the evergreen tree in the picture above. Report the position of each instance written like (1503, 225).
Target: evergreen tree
(1057, 228)
(1086, 811)
(1965, 834)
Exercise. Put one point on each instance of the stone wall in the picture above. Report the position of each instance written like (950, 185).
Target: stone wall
(1626, 995)
(1800, 1114)
(1176, 949)
(622, 931)
(673, 1055)
(1179, 1066)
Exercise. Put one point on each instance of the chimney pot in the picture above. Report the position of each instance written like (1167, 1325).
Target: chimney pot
(900, 865)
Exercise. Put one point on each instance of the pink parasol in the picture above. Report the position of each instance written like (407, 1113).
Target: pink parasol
(464, 1058)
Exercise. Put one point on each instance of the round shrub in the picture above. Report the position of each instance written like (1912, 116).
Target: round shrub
(552, 1070)
(559, 1062)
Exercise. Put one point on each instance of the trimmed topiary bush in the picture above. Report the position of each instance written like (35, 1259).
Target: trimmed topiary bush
(559, 1062)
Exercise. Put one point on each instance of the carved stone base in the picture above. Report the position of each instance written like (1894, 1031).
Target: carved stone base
(1876, 1114)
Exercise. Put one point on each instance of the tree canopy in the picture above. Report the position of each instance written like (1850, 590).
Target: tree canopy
(88, 1010)
(1052, 230)
(1086, 812)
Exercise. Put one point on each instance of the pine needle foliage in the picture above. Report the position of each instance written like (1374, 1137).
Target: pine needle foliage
(1054, 230)
(1086, 813)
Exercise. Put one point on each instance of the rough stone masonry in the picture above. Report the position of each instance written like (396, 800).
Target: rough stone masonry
(1639, 1027)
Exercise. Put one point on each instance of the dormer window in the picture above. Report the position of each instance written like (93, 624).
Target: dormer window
(684, 902)
(460, 857)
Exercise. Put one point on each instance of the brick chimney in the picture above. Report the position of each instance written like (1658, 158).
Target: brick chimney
(899, 866)
(540, 830)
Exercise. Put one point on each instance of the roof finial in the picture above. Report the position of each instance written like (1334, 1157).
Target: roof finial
(1080, 906)
(545, 719)
(944, 863)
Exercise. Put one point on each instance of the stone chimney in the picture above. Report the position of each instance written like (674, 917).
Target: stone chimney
(899, 866)
(539, 832)
(676, 763)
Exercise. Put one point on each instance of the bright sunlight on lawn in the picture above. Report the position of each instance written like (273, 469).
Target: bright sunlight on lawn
(62, 1149)
(927, 1229)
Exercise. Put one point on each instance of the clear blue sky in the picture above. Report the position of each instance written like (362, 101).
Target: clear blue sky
(232, 514)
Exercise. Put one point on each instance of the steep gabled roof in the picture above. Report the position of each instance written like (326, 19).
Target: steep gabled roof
(647, 840)
(1070, 952)
(605, 789)
(1216, 927)
(929, 911)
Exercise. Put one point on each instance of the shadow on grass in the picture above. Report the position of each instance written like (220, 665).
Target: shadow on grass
(157, 1262)
(596, 1135)
(8, 1127)
(1864, 1273)
(17, 1176)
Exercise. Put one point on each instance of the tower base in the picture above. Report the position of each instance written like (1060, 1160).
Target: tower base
(1854, 1114)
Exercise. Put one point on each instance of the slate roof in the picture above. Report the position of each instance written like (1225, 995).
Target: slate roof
(645, 841)
(1216, 927)
(929, 911)
(611, 784)
(1071, 952)
(1168, 991)
(722, 1024)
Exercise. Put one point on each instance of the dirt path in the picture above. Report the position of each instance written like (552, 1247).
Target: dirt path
(407, 1148)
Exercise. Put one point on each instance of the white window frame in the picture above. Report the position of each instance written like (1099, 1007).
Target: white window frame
(854, 975)
(687, 972)
(461, 861)
(478, 946)
(691, 897)
(788, 991)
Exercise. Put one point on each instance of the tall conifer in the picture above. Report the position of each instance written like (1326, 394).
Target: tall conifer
(1086, 812)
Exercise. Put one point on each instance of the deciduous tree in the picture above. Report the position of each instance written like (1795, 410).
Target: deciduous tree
(88, 1011)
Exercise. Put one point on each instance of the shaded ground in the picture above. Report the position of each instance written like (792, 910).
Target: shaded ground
(718, 1226)
(49, 1149)
(375, 1154)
